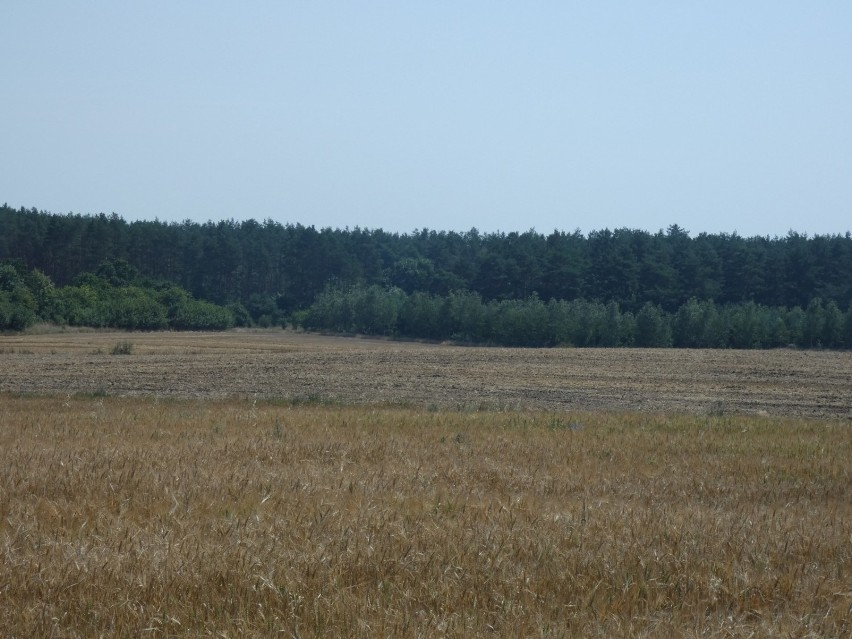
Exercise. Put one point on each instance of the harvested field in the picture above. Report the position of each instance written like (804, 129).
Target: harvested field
(226, 518)
(288, 365)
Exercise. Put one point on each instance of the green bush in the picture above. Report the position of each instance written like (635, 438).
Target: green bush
(196, 315)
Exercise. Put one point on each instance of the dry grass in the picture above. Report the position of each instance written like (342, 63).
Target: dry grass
(142, 517)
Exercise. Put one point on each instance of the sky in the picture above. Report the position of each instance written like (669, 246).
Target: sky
(721, 117)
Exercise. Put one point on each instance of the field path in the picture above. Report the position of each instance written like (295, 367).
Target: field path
(289, 365)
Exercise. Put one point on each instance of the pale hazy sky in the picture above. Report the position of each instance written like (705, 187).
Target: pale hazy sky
(717, 116)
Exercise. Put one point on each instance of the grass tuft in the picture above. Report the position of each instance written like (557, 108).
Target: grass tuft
(122, 348)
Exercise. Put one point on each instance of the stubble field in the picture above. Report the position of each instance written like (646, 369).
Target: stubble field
(287, 365)
(273, 484)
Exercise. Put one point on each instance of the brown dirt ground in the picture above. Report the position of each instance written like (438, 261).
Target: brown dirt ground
(306, 367)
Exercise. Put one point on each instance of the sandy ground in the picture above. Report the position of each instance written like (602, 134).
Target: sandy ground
(298, 366)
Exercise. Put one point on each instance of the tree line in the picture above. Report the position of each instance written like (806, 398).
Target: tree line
(275, 272)
(464, 316)
(112, 297)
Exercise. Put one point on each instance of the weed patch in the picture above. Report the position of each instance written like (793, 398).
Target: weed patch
(122, 348)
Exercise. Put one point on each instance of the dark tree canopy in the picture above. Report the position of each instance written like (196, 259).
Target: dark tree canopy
(273, 271)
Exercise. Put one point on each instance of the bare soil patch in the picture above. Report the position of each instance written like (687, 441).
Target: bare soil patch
(289, 365)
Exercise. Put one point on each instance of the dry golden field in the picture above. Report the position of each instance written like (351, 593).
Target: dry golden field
(281, 484)
(226, 518)
(286, 365)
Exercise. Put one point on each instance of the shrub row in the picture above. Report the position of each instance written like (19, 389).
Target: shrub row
(105, 300)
